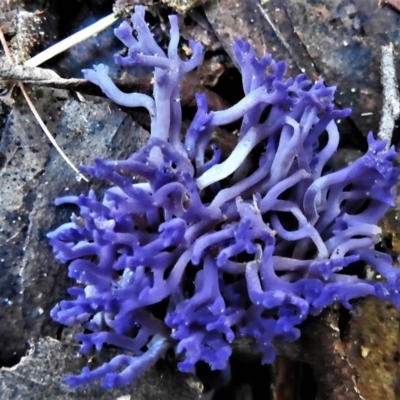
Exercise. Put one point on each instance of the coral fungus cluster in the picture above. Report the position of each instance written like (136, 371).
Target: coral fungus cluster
(189, 249)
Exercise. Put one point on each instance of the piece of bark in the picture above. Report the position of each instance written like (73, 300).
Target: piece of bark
(39, 376)
(244, 18)
(320, 345)
(285, 380)
(269, 29)
(344, 39)
(392, 3)
(337, 40)
(33, 174)
(195, 26)
(372, 346)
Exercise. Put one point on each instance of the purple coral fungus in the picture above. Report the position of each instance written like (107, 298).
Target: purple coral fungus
(246, 246)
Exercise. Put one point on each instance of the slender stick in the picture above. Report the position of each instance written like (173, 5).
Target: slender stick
(71, 41)
(391, 98)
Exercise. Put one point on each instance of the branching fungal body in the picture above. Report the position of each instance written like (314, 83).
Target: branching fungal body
(246, 246)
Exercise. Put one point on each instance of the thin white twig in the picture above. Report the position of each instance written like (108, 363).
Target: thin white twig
(391, 98)
(71, 41)
(274, 27)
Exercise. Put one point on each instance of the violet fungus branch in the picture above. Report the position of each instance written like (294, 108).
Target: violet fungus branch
(226, 255)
